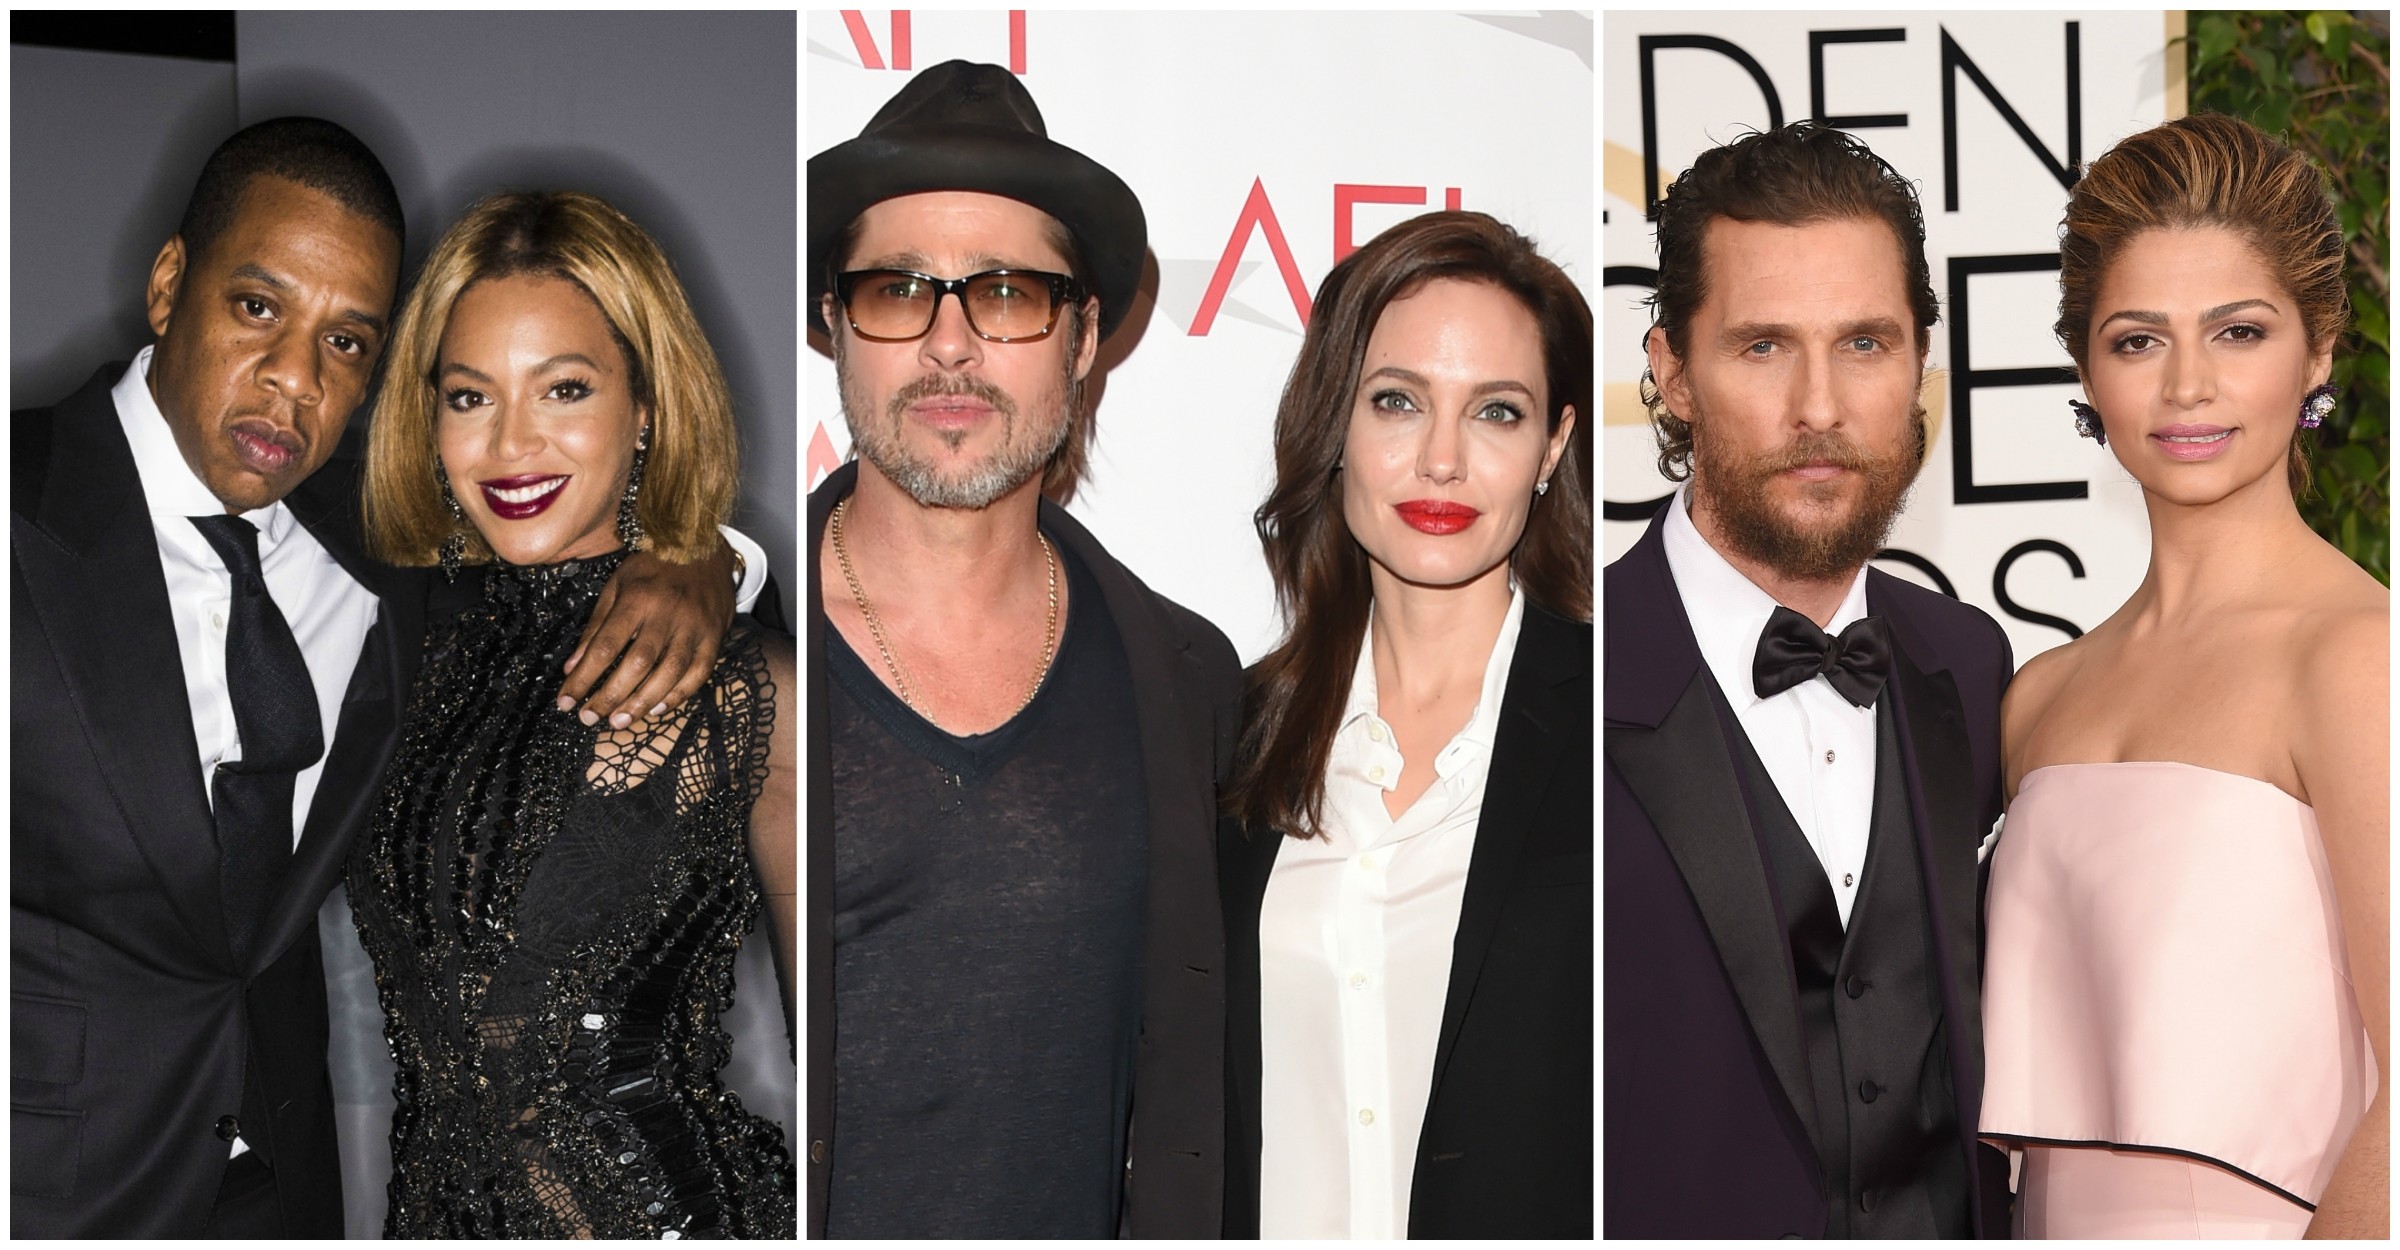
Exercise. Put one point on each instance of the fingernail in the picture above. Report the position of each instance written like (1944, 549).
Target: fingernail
(588, 716)
(621, 720)
(658, 710)
(566, 703)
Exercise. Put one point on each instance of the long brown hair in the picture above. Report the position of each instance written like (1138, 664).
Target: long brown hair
(1293, 700)
(2207, 170)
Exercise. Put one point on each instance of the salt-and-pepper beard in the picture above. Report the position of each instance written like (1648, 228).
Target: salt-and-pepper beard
(880, 442)
(1734, 489)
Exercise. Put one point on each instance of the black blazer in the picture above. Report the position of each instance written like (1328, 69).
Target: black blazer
(1507, 1146)
(1706, 1102)
(131, 1023)
(1187, 695)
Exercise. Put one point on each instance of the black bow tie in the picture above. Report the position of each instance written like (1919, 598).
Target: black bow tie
(1793, 649)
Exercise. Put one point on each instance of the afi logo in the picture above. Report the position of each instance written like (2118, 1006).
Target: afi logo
(903, 57)
(1258, 217)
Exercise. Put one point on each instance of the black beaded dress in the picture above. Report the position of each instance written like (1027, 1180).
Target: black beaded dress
(553, 911)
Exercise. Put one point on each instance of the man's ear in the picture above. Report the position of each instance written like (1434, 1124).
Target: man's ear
(1087, 347)
(1666, 372)
(166, 279)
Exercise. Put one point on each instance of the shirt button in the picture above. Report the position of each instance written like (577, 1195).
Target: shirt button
(217, 619)
(1375, 731)
(1358, 980)
(1366, 1117)
(1375, 773)
(1867, 1091)
(1829, 755)
(1366, 862)
(1846, 878)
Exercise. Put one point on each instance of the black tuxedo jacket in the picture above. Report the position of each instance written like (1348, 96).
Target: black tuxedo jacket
(1187, 696)
(1507, 1145)
(1706, 1104)
(133, 1027)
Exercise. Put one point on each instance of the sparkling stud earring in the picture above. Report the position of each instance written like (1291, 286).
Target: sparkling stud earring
(1542, 487)
(2318, 405)
(2087, 422)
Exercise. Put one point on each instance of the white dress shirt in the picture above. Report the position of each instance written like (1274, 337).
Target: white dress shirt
(1817, 745)
(1354, 939)
(329, 612)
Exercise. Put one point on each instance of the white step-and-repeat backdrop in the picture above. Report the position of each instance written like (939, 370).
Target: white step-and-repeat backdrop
(1263, 146)
(1989, 114)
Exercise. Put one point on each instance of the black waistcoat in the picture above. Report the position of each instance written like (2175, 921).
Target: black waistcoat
(1870, 1012)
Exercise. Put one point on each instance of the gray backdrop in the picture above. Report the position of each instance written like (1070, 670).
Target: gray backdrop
(687, 123)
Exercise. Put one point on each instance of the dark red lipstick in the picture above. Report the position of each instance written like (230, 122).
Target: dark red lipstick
(1436, 516)
(526, 495)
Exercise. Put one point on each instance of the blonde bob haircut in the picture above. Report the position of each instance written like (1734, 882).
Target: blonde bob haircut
(693, 468)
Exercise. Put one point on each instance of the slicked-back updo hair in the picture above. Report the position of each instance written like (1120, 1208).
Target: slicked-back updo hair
(2207, 170)
(1293, 700)
(694, 464)
(1793, 175)
(310, 151)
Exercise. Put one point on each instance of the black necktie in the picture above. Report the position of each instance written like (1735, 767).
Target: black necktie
(275, 712)
(1793, 649)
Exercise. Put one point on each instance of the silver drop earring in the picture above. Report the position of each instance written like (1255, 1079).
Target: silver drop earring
(629, 525)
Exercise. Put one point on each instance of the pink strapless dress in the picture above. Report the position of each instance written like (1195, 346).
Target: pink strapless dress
(2169, 1030)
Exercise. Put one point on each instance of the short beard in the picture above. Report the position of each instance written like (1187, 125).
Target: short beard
(1734, 488)
(879, 442)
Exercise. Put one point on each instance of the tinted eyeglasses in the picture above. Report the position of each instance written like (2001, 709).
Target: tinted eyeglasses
(1002, 305)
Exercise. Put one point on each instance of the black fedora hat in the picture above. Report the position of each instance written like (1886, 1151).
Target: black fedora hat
(962, 126)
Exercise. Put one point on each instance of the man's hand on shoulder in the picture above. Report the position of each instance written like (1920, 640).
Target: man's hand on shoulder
(653, 635)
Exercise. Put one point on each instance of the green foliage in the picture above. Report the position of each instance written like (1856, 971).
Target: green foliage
(2322, 81)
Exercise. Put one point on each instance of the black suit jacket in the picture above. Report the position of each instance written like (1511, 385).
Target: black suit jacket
(132, 1025)
(1187, 694)
(1706, 1101)
(1506, 1149)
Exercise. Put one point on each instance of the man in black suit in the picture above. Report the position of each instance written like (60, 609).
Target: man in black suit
(185, 552)
(1802, 752)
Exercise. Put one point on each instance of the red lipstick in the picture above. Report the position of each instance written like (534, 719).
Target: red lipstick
(1436, 516)
(522, 496)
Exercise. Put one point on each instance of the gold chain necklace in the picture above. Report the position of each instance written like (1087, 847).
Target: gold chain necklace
(883, 644)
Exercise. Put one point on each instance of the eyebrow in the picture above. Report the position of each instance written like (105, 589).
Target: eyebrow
(1419, 380)
(1753, 331)
(2143, 316)
(919, 262)
(250, 272)
(563, 358)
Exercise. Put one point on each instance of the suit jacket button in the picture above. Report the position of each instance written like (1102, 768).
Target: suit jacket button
(1867, 1091)
(1866, 1200)
(228, 1128)
(816, 1152)
(1855, 986)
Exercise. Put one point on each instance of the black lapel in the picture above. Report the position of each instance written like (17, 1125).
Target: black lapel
(1682, 773)
(1942, 792)
(89, 563)
(366, 731)
(1549, 691)
(1665, 739)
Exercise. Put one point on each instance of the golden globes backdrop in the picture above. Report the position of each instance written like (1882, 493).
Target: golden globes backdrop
(1264, 147)
(1988, 114)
